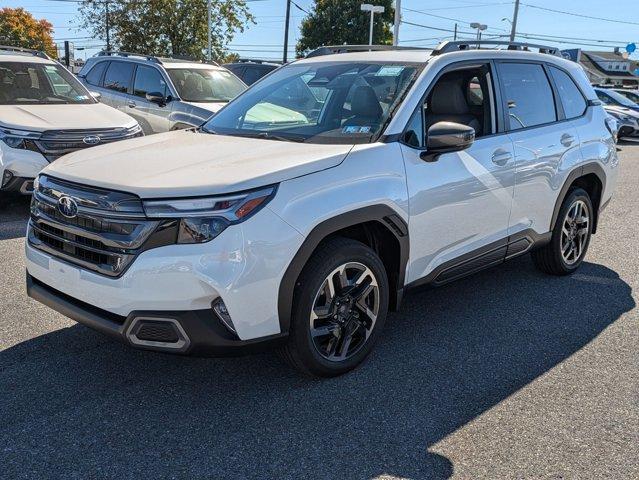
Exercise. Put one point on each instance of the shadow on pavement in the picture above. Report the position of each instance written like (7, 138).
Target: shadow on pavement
(77, 405)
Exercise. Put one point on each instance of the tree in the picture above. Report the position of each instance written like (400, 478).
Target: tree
(166, 27)
(338, 22)
(18, 28)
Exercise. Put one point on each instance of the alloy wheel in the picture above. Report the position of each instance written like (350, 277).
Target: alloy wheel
(344, 311)
(574, 232)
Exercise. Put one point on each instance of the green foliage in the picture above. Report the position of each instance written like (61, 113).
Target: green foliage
(18, 28)
(166, 27)
(338, 22)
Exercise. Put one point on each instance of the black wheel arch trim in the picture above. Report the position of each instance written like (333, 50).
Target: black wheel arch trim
(578, 172)
(380, 213)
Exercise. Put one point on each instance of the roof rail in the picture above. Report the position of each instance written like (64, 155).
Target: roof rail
(257, 60)
(447, 47)
(29, 51)
(329, 50)
(117, 53)
(151, 58)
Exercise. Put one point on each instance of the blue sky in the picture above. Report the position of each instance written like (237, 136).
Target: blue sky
(265, 38)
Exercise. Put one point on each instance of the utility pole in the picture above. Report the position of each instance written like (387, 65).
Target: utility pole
(287, 21)
(513, 28)
(209, 54)
(107, 26)
(398, 20)
(455, 34)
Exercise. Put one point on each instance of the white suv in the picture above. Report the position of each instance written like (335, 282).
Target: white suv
(392, 169)
(45, 113)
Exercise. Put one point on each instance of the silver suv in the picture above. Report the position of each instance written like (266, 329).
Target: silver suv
(162, 94)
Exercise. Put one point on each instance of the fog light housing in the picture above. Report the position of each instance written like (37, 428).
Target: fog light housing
(6, 178)
(223, 314)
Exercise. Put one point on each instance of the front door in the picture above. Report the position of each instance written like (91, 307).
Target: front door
(152, 117)
(460, 204)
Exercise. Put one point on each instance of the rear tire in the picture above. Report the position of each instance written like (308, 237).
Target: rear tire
(570, 236)
(339, 309)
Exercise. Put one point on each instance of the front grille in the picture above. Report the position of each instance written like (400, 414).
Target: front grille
(55, 143)
(105, 236)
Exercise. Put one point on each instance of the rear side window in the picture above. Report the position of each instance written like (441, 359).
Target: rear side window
(118, 76)
(528, 94)
(571, 98)
(95, 74)
(148, 80)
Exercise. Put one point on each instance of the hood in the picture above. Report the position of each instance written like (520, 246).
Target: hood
(622, 111)
(188, 163)
(38, 118)
(212, 107)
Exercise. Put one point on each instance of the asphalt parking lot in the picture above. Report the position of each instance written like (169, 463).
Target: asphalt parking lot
(507, 374)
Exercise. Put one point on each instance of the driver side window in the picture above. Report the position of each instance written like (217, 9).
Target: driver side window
(463, 96)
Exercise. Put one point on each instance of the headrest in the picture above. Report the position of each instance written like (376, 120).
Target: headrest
(448, 98)
(22, 80)
(365, 103)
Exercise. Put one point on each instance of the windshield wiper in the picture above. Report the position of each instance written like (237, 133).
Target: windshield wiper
(269, 136)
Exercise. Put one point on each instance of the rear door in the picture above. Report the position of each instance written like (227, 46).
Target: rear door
(546, 145)
(152, 117)
(117, 83)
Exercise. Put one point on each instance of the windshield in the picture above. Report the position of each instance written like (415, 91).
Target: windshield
(631, 96)
(23, 83)
(615, 97)
(205, 85)
(323, 102)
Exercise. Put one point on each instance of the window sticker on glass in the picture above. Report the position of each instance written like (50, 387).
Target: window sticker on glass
(356, 129)
(389, 71)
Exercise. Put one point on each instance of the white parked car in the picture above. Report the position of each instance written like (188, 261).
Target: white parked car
(45, 113)
(392, 169)
(627, 120)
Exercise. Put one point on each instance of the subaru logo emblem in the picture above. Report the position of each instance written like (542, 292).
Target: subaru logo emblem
(67, 207)
(91, 140)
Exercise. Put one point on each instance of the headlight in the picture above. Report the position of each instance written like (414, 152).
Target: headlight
(204, 218)
(19, 139)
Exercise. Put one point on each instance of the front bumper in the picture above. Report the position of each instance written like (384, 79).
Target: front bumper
(198, 332)
(20, 167)
(243, 266)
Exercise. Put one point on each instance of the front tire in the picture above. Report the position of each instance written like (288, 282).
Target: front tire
(570, 237)
(339, 309)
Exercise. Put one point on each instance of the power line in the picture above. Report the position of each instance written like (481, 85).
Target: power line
(436, 28)
(563, 12)
(447, 18)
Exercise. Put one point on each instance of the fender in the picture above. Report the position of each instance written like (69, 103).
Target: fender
(383, 214)
(580, 171)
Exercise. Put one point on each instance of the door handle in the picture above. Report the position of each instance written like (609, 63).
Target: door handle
(501, 157)
(567, 140)
(132, 104)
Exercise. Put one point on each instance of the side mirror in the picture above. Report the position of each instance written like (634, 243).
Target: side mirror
(156, 97)
(446, 137)
(96, 95)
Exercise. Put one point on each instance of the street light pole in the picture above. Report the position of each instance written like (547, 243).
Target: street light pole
(480, 27)
(367, 7)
